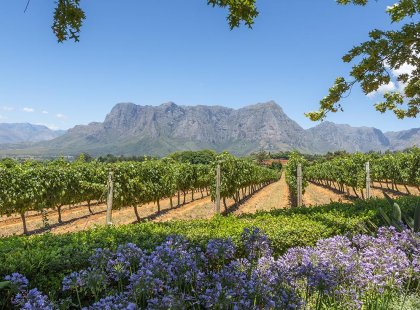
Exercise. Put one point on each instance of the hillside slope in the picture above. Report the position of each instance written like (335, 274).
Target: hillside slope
(131, 129)
(25, 132)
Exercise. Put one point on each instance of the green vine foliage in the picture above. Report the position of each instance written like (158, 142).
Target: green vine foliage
(345, 170)
(36, 186)
(296, 158)
(348, 171)
(392, 169)
(237, 174)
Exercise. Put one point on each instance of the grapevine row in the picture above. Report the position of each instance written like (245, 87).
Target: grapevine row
(349, 171)
(240, 178)
(35, 186)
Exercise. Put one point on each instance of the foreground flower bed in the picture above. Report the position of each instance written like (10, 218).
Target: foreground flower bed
(381, 272)
(46, 259)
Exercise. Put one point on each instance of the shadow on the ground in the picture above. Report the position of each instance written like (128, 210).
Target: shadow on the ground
(235, 206)
(156, 215)
(62, 223)
(70, 221)
(391, 191)
(336, 191)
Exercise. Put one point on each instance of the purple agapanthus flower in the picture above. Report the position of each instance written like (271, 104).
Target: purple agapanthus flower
(32, 300)
(17, 280)
(340, 271)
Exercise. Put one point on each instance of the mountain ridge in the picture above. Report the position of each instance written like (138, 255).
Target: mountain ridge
(130, 129)
(25, 132)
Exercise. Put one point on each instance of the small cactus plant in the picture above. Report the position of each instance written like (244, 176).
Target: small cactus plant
(396, 212)
(396, 219)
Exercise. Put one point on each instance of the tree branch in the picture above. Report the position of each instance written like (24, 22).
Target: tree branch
(26, 7)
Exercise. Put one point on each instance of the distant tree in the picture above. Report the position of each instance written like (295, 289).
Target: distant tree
(331, 155)
(110, 158)
(280, 155)
(276, 165)
(69, 16)
(386, 56)
(260, 156)
(194, 157)
(85, 157)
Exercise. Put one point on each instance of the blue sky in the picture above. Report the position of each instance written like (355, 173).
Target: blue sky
(151, 52)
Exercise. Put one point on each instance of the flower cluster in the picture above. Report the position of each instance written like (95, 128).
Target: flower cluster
(114, 302)
(255, 244)
(220, 250)
(339, 272)
(18, 281)
(27, 299)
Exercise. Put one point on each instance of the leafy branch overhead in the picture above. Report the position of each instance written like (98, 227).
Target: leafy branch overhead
(387, 56)
(69, 16)
(239, 11)
(388, 61)
(68, 19)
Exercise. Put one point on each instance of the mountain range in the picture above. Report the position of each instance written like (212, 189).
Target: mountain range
(25, 133)
(131, 129)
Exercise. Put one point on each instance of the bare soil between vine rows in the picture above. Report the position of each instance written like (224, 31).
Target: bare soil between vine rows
(273, 196)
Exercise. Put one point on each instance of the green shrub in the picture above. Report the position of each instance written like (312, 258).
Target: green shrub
(45, 259)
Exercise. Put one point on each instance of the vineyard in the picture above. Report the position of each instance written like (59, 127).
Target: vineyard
(348, 173)
(307, 257)
(46, 189)
(41, 187)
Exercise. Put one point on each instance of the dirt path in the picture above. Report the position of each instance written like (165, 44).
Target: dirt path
(318, 195)
(200, 209)
(273, 196)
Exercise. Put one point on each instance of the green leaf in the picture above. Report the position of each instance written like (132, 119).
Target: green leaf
(4, 284)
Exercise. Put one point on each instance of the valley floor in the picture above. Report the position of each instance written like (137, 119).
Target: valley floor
(273, 196)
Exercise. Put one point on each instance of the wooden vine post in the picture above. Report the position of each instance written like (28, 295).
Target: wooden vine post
(299, 184)
(218, 189)
(110, 196)
(368, 194)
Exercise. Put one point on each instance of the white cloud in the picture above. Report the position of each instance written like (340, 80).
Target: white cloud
(50, 126)
(7, 109)
(59, 115)
(383, 89)
(44, 112)
(2, 117)
(28, 110)
(391, 7)
(394, 86)
(404, 69)
(386, 88)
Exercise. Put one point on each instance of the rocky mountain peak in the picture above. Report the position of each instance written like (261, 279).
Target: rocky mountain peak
(131, 129)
